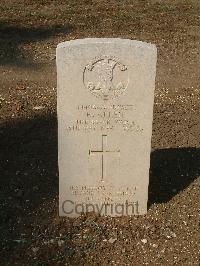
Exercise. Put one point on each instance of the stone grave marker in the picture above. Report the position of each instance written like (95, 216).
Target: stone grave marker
(105, 110)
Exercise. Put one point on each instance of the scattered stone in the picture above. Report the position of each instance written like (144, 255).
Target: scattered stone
(112, 240)
(52, 57)
(35, 250)
(173, 234)
(60, 242)
(169, 234)
(144, 240)
(20, 87)
(38, 107)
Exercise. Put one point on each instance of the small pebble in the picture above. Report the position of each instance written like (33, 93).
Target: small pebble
(35, 249)
(60, 242)
(144, 240)
(112, 240)
(38, 107)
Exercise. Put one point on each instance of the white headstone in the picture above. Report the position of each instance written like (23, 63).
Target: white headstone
(105, 110)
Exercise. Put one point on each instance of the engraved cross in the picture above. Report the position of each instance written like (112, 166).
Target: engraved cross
(103, 152)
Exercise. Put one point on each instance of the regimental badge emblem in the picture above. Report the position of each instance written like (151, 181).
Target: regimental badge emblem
(106, 77)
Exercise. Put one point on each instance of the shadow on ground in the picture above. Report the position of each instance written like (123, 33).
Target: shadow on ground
(171, 171)
(29, 171)
(12, 39)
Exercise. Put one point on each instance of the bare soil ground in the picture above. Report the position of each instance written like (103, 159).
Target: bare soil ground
(31, 232)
